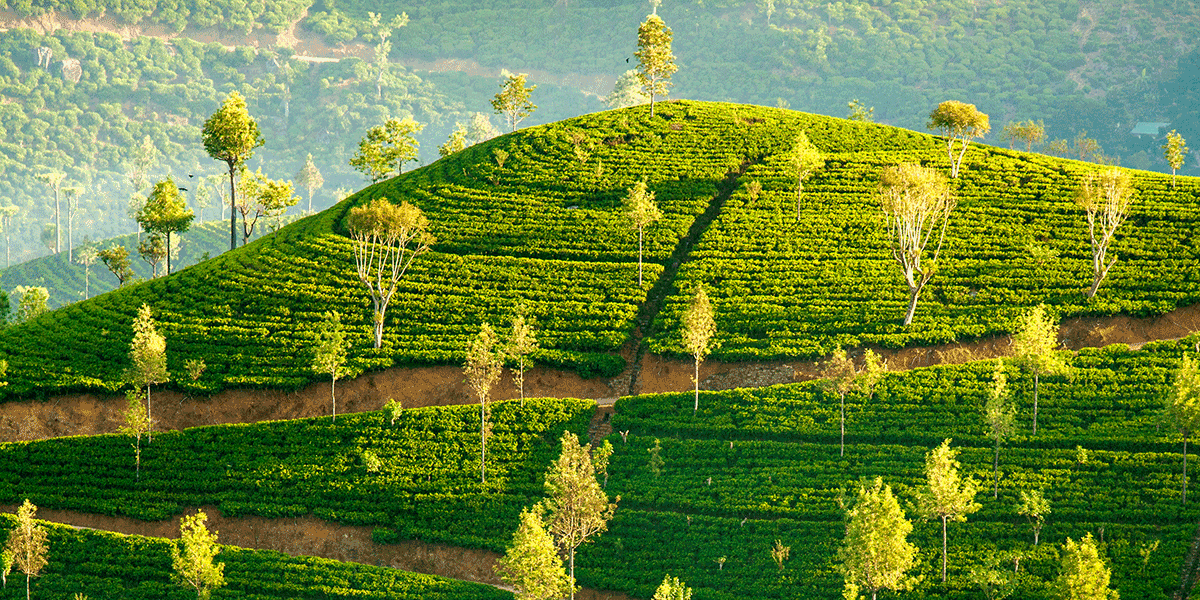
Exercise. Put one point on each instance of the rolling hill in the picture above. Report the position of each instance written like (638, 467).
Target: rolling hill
(533, 218)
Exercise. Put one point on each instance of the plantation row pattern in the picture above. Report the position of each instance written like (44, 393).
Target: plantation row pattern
(753, 466)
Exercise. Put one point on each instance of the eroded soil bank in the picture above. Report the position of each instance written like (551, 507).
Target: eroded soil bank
(310, 536)
(88, 414)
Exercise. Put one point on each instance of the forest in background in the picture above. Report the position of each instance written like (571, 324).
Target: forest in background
(1082, 67)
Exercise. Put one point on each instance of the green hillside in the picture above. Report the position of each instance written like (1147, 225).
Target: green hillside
(65, 281)
(105, 565)
(750, 467)
(756, 465)
(164, 90)
(427, 485)
(545, 229)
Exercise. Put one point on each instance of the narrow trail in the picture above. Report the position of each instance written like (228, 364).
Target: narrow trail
(663, 286)
(310, 536)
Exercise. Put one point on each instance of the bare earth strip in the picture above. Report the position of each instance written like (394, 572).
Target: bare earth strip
(310, 536)
(89, 414)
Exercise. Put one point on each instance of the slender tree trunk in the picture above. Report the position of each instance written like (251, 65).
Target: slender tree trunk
(842, 402)
(913, 294)
(1096, 279)
(378, 329)
(1037, 534)
(799, 190)
(233, 212)
(149, 421)
(87, 292)
(572, 561)
(1036, 377)
(696, 380)
(639, 257)
(483, 443)
(333, 395)
(943, 549)
(168, 253)
(57, 225)
(996, 471)
(27, 586)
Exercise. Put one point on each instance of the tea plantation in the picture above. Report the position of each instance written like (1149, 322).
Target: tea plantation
(756, 465)
(534, 218)
(111, 566)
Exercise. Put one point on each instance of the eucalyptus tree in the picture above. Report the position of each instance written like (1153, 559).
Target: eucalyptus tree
(959, 122)
(231, 135)
(1175, 151)
(656, 63)
(513, 100)
(916, 202)
(387, 239)
(1105, 198)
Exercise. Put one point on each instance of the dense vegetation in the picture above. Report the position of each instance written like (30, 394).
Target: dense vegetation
(753, 466)
(800, 287)
(534, 217)
(127, 91)
(65, 281)
(117, 567)
(426, 484)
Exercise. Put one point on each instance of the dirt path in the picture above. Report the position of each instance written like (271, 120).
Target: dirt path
(310, 536)
(89, 414)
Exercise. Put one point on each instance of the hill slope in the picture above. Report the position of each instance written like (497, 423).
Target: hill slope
(533, 217)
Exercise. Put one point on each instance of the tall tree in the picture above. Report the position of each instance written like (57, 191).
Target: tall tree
(1031, 132)
(699, 326)
(87, 256)
(860, 111)
(672, 588)
(804, 160)
(387, 239)
(329, 353)
(153, 250)
(1083, 574)
(627, 91)
(194, 564)
(309, 177)
(28, 544)
(32, 302)
(165, 212)
(54, 179)
(1034, 344)
(137, 424)
(531, 564)
(578, 509)
(455, 143)
(6, 222)
(945, 495)
(116, 259)
(1175, 151)
(480, 129)
(1000, 417)
(838, 377)
(1034, 507)
(231, 135)
(522, 341)
(72, 193)
(512, 100)
(147, 357)
(262, 197)
(875, 554)
(656, 63)
(485, 361)
(916, 204)
(1183, 407)
(1105, 197)
(959, 122)
(640, 211)
(383, 151)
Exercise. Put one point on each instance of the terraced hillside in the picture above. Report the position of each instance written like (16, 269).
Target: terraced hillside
(533, 217)
(106, 565)
(758, 465)
(750, 467)
(418, 477)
